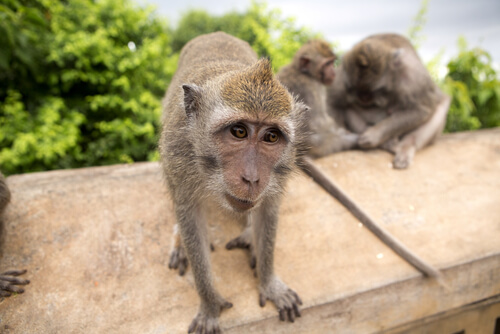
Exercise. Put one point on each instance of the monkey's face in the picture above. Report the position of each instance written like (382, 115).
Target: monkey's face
(250, 153)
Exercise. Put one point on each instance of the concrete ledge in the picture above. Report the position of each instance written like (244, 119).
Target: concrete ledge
(96, 244)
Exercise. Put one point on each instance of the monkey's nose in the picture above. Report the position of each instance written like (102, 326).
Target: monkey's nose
(250, 180)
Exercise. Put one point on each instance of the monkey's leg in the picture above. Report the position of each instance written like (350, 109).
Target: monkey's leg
(422, 136)
(193, 231)
(178, 257)
(245, 241)
(265, 221)
(9, 282)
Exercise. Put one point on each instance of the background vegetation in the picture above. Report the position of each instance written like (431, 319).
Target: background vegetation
(81, 81)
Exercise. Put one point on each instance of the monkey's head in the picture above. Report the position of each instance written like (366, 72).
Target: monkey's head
(247, 128)
(316, 58)
(369, 68)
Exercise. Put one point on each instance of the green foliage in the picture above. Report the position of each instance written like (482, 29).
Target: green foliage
(475, 87)
(415, 31)
(269, 34)
(82, 84)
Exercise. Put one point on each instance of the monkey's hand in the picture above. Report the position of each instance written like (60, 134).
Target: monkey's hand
(207, 319)
(178, 259)
(286, 300)
(9, 282)
(371, 138)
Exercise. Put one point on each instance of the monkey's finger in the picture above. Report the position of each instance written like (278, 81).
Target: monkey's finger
(296, 310)
(291, 315)
(297, 298)
(282, 314)
(15, 272)
(227, 305)
(5, 293)
(237, 243)
(193, 325)
(212, 248)
(14, 280)
(262, 300)
(14, 288)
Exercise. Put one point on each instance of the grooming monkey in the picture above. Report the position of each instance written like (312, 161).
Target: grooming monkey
(387, 96)
(308, 76)
(231, 135)
(8, 280)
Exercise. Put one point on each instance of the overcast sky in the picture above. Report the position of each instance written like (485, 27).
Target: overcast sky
(349, 21)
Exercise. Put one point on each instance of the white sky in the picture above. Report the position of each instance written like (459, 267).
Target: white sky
(349, 21)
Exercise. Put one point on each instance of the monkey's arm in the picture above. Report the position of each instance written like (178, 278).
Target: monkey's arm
(193, 231)
(333, 189)
(265, 221)
(398, 123)
(355, 122)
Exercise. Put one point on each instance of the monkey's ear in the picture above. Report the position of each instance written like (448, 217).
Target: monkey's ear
(192, 99)
(304, 64)
(362, 60)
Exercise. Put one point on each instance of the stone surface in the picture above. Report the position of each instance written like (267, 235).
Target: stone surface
(96, 244)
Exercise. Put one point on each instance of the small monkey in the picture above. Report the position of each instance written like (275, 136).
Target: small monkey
(309, 74)
(8, 280)
(231, 135)
(387, 96)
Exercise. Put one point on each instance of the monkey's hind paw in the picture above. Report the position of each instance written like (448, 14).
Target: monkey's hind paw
(9, 282)
(286, 300)
(178, 260)
(209, 323)
(243, 242)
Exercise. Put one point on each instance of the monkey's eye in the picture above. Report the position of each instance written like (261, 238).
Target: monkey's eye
(272, 136)
(239, 131)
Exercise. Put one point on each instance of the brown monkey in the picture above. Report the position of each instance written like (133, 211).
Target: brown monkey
(308, 76)
(8, 280)
(231, 135)
(387, 96)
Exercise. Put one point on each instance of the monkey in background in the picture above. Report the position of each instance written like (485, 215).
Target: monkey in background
(309, 74)
(8, 280)
(386, 95)
(232, 134)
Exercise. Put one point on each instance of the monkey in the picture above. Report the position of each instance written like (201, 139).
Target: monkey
(231, 136)
(9, 282)
(308, 75)
(387, 96)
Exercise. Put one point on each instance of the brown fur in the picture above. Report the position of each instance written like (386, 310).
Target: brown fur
(219, 92)
(384, 92)
(304, 78)
(4, 194)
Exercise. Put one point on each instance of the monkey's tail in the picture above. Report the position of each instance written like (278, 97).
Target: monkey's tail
(311, 169)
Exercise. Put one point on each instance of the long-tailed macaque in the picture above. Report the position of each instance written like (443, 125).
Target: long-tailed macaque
(309, 74)
(387, 96)
(231, 135)
(8, 280)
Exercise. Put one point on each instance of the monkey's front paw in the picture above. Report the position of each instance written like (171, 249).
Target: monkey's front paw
(9, 282)
(369, 139)
(207, 321)
(286, 300)
(178, 260)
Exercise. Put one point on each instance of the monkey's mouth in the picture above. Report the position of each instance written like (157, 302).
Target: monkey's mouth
(239, 204)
